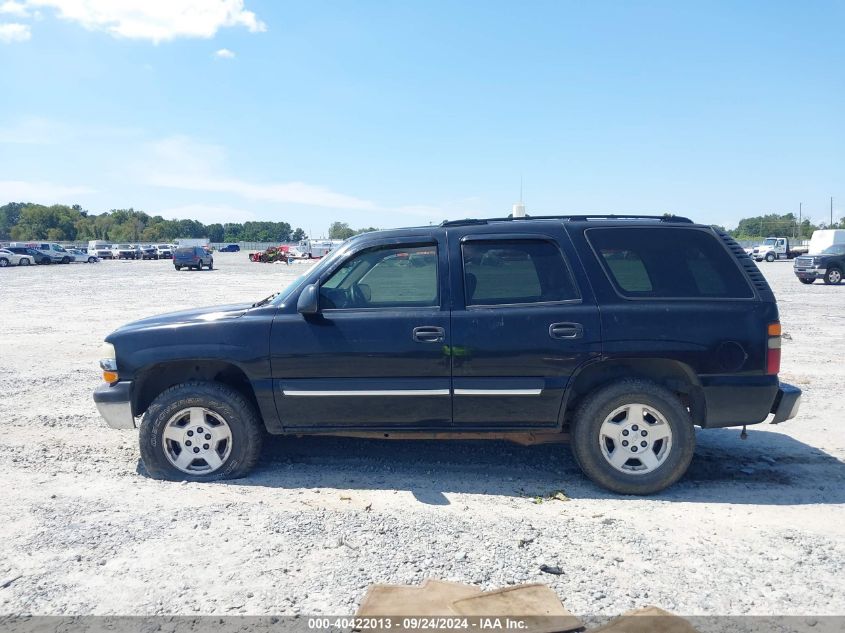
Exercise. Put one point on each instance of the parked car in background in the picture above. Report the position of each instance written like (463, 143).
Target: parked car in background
(230, 248)
(100, 249)
(165, 251)
(81, 256)
(8, 258)
(124, 251)
(828, 265)
(36, 256)
(192, 257)
(148, 251)
(774, 248)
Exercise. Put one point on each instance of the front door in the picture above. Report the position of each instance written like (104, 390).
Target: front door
(520, 328)
(376, 354)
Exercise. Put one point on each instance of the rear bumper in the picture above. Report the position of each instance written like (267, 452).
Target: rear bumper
(786, 404)
(114, 402)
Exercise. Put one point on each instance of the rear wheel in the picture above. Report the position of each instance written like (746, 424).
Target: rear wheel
(177, 267)
(633, 437)
(805, 281)
(833, 276)
(211, 264)
(3, 262)
(65, 260)
(200, 431)
(24, 261)
(92, 260)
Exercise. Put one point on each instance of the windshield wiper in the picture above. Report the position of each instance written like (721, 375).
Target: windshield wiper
(265, 300)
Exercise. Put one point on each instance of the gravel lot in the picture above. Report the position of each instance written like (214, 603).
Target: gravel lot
(757, 526)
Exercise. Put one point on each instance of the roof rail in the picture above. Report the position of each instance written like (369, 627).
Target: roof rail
(571, 218)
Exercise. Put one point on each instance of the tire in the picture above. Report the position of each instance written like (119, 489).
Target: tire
(178, 267)
(24, 261)
(92, 260)
(770, 257)
(833, 276)
(229, 420)
(3, 262)
(606, 412)
(806, 281)
(65, 260)
(211, 265)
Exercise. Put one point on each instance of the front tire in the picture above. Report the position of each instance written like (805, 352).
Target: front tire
(200, 431)
(92, 260)
(211, 265)
(833, 277)
(24, 262)
(633, 437)
(3, 262)
(770, 257)
(178, 267)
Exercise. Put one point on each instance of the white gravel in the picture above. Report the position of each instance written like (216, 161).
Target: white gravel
(757, 526)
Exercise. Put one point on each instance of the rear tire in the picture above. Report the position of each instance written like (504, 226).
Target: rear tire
(92, 260)
(833, 277)
(24, 262)
(617, 414)
(178, 267)
(227, 445)
(211, 265)
(65, 260)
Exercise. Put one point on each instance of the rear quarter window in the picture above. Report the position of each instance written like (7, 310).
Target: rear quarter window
(668, 262)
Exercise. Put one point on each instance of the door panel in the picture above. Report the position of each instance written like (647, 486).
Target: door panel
(372, 359)
(511, 362)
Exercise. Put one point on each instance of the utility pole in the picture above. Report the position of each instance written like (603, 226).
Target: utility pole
(800, 225)
(831, 211)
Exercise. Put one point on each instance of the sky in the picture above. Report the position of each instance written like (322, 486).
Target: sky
(396, 113)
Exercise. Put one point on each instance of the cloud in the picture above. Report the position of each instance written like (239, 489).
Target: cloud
(155, 20)
(40, 192)
(17, 9)
(180, 163)
(14, 32)
(207, 213)
(224, 53)
(32, 130)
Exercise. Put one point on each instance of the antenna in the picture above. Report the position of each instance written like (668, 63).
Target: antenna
(520, 188)
(518, 210)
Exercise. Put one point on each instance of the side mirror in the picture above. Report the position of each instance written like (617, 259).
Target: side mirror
(309, 300)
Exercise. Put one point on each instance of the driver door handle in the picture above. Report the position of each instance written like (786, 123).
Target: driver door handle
(566, 330)
(429, 334)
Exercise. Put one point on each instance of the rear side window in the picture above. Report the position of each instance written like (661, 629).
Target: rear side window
(501, 272)
(668, 263)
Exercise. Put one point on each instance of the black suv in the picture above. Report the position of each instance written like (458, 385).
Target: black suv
(617, 333)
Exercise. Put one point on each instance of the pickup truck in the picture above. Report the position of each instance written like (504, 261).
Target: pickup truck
(828, 265)
(774, 248)
(619, 334)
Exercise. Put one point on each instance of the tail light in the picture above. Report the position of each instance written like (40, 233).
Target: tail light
(773, 349)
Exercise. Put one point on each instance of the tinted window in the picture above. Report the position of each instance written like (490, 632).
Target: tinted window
(668, 262)
(384, 277)
(498, 272)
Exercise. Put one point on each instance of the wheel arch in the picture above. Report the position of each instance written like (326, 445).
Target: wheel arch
(676, 376)
(154, 379)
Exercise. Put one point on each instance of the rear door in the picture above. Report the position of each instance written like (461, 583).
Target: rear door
(521, 326)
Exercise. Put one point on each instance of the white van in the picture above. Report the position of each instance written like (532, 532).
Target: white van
(57, 252)
(824, 238)
(99, 248)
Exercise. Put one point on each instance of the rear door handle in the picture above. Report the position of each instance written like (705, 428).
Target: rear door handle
(566, 330)
(429, 334)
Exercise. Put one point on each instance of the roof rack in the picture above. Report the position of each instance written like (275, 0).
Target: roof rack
(571, 218)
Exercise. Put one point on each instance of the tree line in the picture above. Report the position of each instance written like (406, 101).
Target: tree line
(63, 223)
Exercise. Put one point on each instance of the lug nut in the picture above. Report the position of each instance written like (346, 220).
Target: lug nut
(196, 449)
(199, 430)
(634, 449)
(635, 427)
(643, 433)
(187, 442)
(643, 444)
(624, 442)
(625, 432)
(205, 446)
(208, 435)
(190, 433)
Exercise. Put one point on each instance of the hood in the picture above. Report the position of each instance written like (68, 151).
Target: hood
(211, 314)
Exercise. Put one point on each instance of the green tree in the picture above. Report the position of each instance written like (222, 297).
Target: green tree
(340, 231)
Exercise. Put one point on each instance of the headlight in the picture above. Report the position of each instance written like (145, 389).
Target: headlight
(108, 363)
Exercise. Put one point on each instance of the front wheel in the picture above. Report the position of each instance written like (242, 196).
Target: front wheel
(805, 281)
(200, 431)
(833, 276)
(92, 260)
(3, 262)
(211, 265)
(24, 262)
(633, 437)
(770, 257)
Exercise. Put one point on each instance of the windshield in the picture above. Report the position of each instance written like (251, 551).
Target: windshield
(836, 249)
(770, 242)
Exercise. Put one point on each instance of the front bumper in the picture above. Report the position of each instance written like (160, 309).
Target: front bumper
(786, 404)
(114, 403)
(810, 273)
